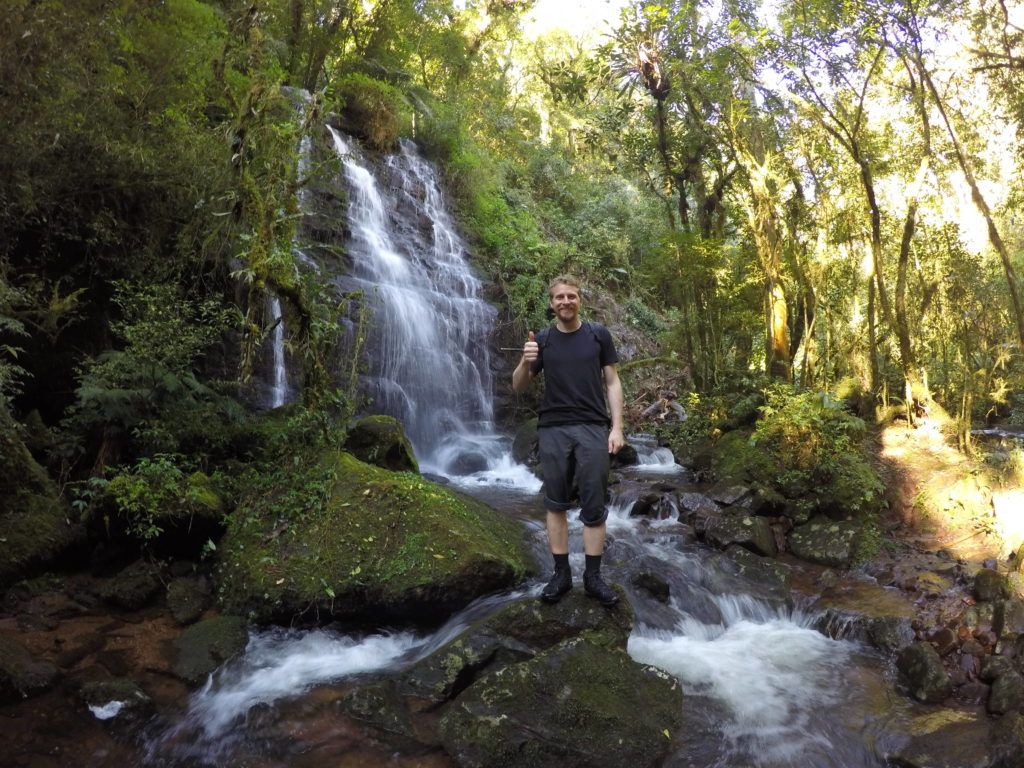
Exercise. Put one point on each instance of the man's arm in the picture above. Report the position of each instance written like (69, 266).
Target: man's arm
(523, 374)
(613, 392)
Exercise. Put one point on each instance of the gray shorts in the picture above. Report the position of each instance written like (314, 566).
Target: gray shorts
(575, 452)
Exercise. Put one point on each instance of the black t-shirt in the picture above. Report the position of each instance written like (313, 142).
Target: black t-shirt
(573, 381)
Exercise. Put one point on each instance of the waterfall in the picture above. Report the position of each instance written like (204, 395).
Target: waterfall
(427, 357)
(279, 383)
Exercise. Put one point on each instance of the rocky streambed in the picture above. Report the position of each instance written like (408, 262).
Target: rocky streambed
(728, 649)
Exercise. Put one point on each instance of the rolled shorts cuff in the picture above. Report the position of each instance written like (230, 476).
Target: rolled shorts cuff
(556, 506)
(590, 523)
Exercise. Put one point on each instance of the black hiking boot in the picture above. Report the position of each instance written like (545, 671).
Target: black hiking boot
(560, 583)
(596, 587)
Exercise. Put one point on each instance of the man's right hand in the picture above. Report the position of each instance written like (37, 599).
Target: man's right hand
(530, 349)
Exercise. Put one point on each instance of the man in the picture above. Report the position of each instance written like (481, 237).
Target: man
(574, 433)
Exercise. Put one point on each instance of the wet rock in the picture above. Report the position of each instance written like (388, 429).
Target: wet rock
(1007, 693)
(583, 702)
(764, 570)
(626, 457)
(694, 502)
(930, 584)
(517, 631)
(946, 739)
(924, 674)
(380, 705)
(978, 618)
(643, 505)
(867, 612)
(188, 598)
(21, 675)
(467, 462)
(748, 531)
(205, 646)
(134, 587)
(828, 542)
(729, 494)
(524, 444)
(990, 585)
(653, 584)
(381, 441)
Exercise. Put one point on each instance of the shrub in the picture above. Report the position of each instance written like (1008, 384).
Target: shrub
(815, 446)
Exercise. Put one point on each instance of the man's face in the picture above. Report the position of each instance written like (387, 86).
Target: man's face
(565, 300)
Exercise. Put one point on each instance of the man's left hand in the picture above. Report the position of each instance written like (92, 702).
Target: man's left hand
(615, 440)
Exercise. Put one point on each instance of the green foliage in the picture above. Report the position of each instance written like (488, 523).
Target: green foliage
(814, 443)
(378, 110)
(151, 490)
(147, 391)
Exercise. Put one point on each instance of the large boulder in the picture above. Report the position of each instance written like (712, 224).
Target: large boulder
(524, 444)
(381, 441)
(583, 702)
(376, 544)
(827, 542)
(34, 527)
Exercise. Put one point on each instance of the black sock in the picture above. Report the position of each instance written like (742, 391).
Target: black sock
(561, 562)
(593, 564)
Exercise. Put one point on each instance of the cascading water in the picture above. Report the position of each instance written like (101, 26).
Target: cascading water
(279, 384)
(427, 355)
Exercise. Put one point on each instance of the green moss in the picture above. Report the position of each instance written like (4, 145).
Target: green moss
(373, 538)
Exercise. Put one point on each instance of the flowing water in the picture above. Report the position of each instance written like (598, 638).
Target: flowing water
(762, 686)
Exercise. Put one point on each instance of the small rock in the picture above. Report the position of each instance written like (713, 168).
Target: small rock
(205, 646)
(133, 587)
(945, 641)
(974, 692)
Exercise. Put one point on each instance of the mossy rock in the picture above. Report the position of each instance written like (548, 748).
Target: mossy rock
(21, 675)
(827, 542)
(381, 441)
(381, 545)
(187, 599)
(583, 702)
(516, 632)
(924, 674)
(205, 646)
(34, 527)
(134, 587)
(734, 458)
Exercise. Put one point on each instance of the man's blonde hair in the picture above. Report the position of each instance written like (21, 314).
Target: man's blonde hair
(569, 280)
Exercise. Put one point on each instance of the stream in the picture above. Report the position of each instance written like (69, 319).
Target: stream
(762, 687)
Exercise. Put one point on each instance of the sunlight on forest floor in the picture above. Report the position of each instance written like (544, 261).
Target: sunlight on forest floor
(942, 499)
